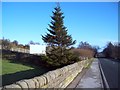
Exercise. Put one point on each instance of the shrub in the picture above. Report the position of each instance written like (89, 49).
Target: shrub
(83, 53)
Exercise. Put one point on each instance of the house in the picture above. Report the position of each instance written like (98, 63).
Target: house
(38, 49)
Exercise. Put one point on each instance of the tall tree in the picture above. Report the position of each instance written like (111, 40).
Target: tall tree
(108, 51)
(6, 44)
(84, 45)
(112, 50)
(57, 39)
(15, 42)
(95, 49)
(31, 42)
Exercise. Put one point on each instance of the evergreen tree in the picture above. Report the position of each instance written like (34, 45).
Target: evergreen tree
(58, 40)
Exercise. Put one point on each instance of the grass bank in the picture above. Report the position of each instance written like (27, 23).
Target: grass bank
(13, 71)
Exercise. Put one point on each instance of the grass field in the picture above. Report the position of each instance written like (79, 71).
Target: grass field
(15, 71)
(8, 67)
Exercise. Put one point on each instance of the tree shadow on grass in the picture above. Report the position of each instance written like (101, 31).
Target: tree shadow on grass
(35, 61)
(12, 78)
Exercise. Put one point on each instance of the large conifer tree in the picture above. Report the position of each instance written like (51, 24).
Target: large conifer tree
(58, 40)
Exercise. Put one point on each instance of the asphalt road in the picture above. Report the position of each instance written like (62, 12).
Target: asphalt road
(111, 69)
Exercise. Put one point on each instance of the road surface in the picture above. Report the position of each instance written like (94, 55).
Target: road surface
(111, 69)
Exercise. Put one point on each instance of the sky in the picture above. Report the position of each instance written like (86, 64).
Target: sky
(93, 22)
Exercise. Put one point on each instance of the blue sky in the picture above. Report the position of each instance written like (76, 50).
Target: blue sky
(94, 22)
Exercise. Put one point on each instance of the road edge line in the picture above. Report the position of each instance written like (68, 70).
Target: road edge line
(103, 77)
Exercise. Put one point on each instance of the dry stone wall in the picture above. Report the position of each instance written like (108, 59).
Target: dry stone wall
(59, 78)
